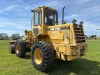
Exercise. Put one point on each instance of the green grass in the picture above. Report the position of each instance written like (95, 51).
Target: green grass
(87, 65)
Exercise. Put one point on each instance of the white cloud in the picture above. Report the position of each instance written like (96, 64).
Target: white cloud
(10, 7)
(18, 6)
(3, 12)
(10, 27)
(26, 7)
(83, 1)
(91, 28)
(2, 25)
(70, 17)
(89, 11)
(19, 26)
(54, 4)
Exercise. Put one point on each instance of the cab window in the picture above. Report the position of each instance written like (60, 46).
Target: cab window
(50, 17)
(37, 17)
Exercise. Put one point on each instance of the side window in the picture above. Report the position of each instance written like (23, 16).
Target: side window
(45, 19)
(36, 18)
(40, 19)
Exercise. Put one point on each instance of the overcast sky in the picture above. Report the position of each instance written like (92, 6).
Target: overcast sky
(15, 15)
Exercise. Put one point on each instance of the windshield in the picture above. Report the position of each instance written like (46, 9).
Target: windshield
(51, 17)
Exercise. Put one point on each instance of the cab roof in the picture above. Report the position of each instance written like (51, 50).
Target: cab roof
(46, 7)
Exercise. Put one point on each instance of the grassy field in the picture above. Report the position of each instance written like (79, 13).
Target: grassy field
(87, 65)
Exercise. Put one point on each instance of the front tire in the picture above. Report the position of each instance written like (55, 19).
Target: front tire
(20, 48)
(42, 56)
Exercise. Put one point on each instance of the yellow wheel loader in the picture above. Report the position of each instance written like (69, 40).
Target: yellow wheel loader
(48, 40)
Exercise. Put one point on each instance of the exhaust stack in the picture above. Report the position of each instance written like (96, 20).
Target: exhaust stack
(63, 22)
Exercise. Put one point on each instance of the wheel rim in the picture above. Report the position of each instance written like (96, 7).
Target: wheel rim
(17, 49)
(37, 56)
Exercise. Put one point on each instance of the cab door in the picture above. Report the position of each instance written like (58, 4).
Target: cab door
(37, 22)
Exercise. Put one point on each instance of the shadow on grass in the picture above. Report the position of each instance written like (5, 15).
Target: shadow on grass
(27, 57)
(76, 67)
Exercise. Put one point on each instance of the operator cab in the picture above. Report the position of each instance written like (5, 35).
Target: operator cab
(49, 17)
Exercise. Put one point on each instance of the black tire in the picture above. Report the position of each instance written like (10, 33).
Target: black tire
(12, 49)
(22, 49)
(47, 56)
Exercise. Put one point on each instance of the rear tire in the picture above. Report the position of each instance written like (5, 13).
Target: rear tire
(20, 48)
(11, 49)
(45, 56)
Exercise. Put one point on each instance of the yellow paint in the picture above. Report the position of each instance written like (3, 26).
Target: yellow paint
(37, 56)
(70, 57)
(63, 41)
(17, 48)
